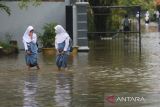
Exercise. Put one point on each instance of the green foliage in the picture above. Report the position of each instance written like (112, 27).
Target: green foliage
(94, 20)
(7, 48)
(145, 4)
(48, 37)
(5, 45)
(107, 2)
(24, 3)
(5, 8)
(90, 21)
(101, 2)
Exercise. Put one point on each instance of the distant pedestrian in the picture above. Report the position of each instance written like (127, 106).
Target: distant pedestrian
(147, 18)
(62, 45)
(137, 15)
(137, 21)
(31, 49)
(126, 27)
(126, 24)
(157, 15)
(147, 14)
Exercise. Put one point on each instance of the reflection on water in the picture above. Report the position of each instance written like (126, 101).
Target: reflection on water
(63, 90)
(30, 89)
(90, 76)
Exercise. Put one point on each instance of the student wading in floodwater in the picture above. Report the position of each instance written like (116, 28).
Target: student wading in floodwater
(62, 45)
(31, 49)
(126, 26)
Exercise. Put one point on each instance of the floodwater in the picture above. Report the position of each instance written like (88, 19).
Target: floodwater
(89, 78)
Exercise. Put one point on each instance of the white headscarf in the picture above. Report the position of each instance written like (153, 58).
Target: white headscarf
(61, 34)
(147, 14)
(146, 18)
(27, 39)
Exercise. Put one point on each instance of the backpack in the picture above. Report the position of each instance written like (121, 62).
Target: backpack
(126, 23)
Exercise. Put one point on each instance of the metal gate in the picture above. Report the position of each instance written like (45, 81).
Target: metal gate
(107, 29)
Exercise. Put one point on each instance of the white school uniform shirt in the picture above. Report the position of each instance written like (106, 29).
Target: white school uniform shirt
(137, 15)
(27, 39)
(147, 14)
(146, 18)
(157, 14)
(61, 36)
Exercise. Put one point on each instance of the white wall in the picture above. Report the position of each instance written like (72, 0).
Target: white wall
(19, 20)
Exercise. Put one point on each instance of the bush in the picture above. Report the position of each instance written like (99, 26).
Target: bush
(8, 48)
(48, 37)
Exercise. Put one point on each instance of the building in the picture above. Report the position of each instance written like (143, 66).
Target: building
(20, 19)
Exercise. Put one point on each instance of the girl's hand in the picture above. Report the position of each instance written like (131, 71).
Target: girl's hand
(63, 52)
(28, 52)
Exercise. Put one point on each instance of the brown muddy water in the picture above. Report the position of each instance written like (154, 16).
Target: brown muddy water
(90, 76)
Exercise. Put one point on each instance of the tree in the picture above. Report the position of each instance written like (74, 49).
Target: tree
(5, 8)
(25, 3)
(100, 21)
(22, 4)
(145, 4)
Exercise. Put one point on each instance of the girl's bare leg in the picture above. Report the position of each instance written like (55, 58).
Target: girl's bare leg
(59, 69)
(38, 67)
